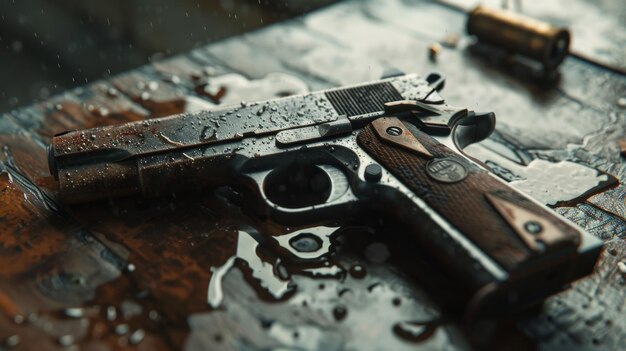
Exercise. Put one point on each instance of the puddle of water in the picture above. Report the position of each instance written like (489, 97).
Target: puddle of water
(551, 183)
(261, 272)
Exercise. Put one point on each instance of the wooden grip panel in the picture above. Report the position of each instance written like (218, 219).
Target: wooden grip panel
(502, 222)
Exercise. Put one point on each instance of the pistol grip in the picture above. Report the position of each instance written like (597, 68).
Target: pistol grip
(506, 225)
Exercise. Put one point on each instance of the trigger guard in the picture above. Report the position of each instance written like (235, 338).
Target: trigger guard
(473, 128)
(339, 183)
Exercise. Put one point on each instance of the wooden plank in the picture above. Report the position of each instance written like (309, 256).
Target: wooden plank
(158, 97)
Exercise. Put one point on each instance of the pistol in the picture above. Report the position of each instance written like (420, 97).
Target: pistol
(392, 146)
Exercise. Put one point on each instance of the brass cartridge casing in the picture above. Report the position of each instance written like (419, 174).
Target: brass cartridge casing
(520, 35)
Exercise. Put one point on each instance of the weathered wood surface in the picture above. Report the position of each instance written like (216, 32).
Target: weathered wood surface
(133, 274)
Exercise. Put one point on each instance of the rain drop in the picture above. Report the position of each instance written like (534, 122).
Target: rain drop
(340, 312)
(357, 271)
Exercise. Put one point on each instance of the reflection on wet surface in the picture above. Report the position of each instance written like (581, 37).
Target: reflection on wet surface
(323, 311)
(261, 272)
(552, 183)
(181, 272)
(305, 245)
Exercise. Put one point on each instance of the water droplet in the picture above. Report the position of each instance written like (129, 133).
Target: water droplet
(281, 270)
(75, 312)
(622, 267)
(32, 317)
(153, 315)
(357, 271)
(112, 92)
(321, 239)
(12, 341)
(130, 309)
(340, 312)
(137, 336)
(414, 331)
(121, 329)
(130, 268)
(306, 242)
(66, 340)
(111, 313)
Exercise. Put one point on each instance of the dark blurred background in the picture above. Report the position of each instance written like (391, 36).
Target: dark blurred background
(48, 46)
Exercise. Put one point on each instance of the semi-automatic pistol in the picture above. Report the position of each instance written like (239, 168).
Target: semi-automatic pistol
(392, 146)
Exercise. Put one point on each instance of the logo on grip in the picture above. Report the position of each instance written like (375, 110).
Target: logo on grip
(446, 170)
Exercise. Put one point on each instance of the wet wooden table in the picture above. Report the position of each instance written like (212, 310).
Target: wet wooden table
(138, 274)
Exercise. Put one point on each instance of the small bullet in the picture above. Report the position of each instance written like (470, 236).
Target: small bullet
(433, 51)
(622, 147)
